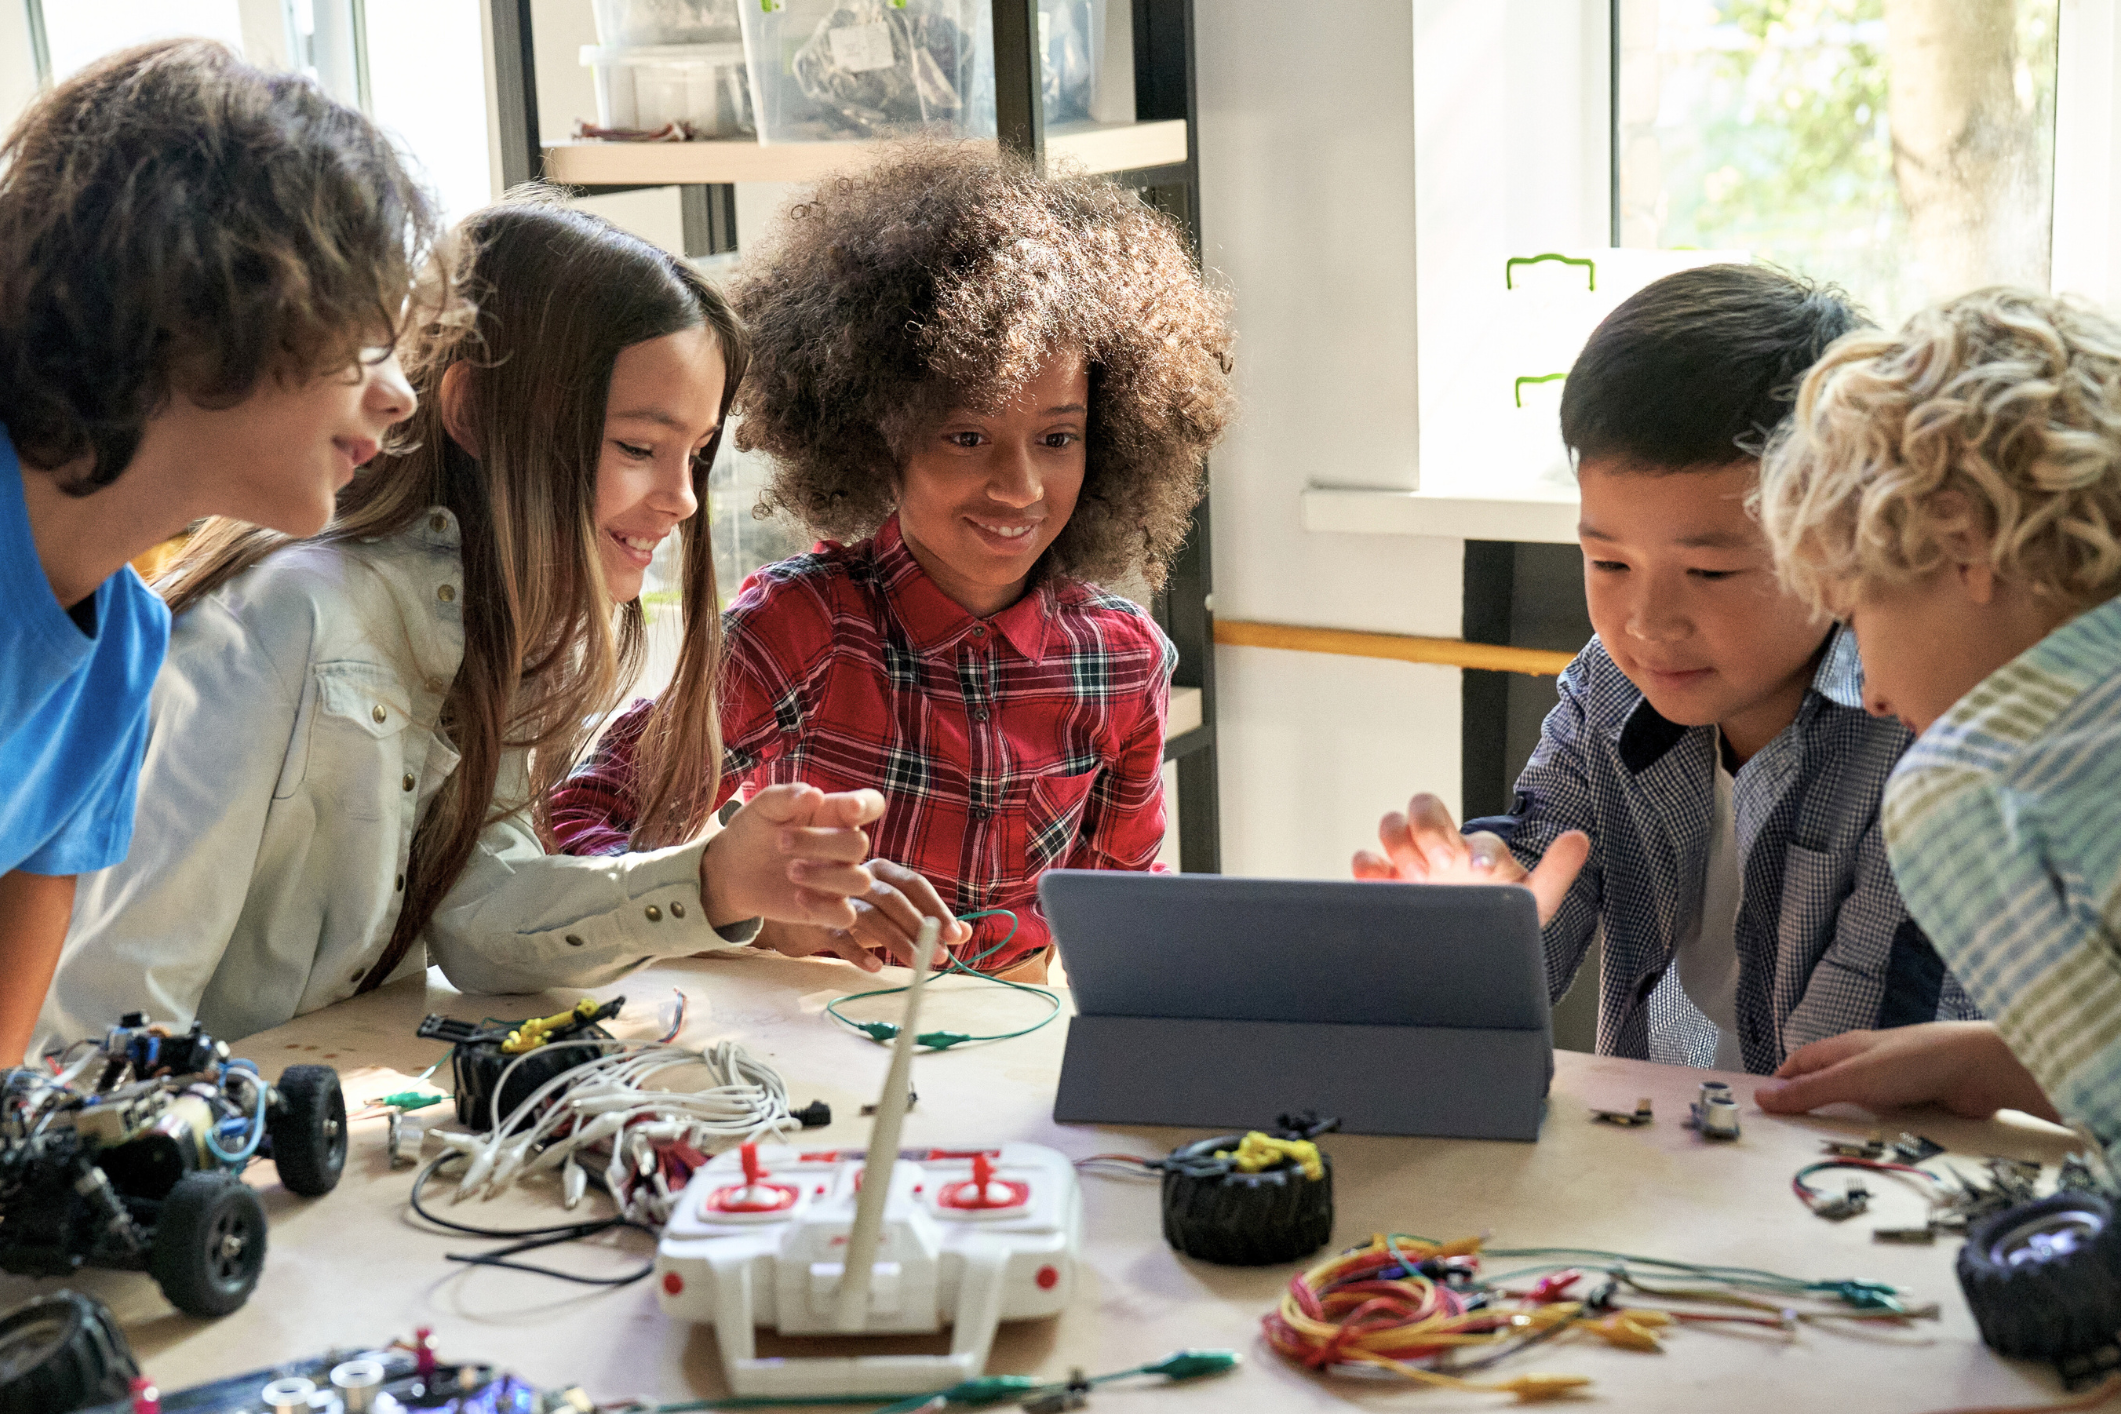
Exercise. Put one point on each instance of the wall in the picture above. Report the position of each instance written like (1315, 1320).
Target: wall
(1307, 211)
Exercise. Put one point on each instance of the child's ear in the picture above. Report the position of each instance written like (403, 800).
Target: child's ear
(456, 406)
(1978, 579)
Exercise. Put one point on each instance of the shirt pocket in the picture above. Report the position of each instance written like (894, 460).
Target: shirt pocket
(356, 751)
(1053, 816)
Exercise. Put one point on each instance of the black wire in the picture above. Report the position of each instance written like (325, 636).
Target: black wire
(533, 1238)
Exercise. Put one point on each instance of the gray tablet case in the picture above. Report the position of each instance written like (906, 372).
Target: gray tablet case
(1221, 1003)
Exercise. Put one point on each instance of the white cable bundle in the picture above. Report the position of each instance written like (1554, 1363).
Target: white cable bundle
(604, 1102)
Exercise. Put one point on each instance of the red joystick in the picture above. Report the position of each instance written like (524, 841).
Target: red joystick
(984, 1192)
(754, 1194)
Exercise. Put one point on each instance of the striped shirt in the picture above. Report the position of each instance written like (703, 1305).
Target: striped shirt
(1824, 943)
(1004, 746)
(2004, 825)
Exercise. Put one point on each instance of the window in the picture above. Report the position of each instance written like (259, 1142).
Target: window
(408, 63)
(1903, 149)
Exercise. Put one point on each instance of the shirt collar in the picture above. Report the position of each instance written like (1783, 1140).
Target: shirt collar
(2022, 699)
(1646, 735)
(935, 622)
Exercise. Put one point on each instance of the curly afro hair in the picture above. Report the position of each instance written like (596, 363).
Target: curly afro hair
(943, 276)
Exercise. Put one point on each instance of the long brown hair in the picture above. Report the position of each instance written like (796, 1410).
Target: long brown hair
(557, 294)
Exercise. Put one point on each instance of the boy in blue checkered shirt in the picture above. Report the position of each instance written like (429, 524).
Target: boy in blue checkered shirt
(1953, 492)
(1706, 791)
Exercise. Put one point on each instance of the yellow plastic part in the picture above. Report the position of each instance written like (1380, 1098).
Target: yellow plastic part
(1263, 1151)
(538, 1030)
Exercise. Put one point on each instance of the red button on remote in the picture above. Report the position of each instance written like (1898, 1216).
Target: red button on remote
(984, 1192)
(754, 1194)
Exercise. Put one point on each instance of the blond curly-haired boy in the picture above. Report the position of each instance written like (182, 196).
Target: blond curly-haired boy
(1953, 493)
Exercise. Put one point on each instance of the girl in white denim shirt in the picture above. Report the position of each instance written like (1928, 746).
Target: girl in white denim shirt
(354, 734)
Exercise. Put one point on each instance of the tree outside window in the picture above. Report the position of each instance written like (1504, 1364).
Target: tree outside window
(1903, 149)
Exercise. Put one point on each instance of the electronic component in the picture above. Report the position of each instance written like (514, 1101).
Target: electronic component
(127, 1153)
(382, 1381)
(1917, 1236)
(875, 1242)
(1626, 1119)
(1715, 1114)
(544, 1047)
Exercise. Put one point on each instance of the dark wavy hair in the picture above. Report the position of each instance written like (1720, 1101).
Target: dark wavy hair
(173, 219)
(943, 276)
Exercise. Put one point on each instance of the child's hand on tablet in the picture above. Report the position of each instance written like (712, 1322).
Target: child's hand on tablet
(1424, 846)
(887, 920)
(793, 854)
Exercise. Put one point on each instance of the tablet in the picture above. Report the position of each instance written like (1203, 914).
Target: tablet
(1221, 1002)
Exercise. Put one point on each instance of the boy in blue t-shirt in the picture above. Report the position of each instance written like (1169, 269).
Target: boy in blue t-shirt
(203, 270)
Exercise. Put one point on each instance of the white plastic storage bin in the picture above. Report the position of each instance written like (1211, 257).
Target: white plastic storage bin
(702, 86)
(635, 23)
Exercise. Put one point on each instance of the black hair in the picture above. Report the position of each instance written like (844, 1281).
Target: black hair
(1699, 368)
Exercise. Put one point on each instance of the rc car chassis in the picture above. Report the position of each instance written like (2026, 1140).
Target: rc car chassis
(128, 1153)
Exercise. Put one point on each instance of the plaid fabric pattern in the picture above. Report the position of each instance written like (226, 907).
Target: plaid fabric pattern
(1824, 942)
(2004, 825)
(1004, 746)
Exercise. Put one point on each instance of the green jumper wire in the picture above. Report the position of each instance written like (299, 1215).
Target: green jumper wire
(987, 1389)
(883, 1032)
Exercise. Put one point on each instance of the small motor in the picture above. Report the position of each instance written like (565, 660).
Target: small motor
(1715, 1114)
(546, 1046)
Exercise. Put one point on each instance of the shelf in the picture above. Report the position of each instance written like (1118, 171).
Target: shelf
(1185, 713)
(1090, 147)
(1350, 510)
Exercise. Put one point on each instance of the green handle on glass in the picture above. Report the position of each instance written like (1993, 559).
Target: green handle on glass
(1509, 267)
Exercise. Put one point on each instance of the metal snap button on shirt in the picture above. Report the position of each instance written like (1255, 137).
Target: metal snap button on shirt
(380, 714)
(408, 781)
(979, 630)
(438, 521)
(677, 910)
(655, 915)
(447, 593)
(574, 940)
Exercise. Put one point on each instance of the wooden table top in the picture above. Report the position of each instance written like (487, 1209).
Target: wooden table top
(350, 1268)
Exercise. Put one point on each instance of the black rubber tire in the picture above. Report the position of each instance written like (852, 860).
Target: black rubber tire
(209, 1243)
(2044, 1278)
(1245, 1219)
(62, 1352)
(308, 1130)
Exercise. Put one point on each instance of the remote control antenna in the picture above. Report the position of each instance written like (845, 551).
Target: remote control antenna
(851, 1311)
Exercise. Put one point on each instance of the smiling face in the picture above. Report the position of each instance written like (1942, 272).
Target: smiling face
(980, 498)
(279, 457)
(665, 404)
(1683, 594)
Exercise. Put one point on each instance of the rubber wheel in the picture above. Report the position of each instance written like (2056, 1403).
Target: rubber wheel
(209, 1244)
(2044, 1278)
(308, 1130)
(60, 1353)
(1245, 1219)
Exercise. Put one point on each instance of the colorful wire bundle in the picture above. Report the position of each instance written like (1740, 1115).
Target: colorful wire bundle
(1418, 1308)
(1383, 1305)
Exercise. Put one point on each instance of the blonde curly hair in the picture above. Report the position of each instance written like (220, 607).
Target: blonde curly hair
(1993, 418)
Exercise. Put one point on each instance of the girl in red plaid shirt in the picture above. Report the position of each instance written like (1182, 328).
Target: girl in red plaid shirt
(983, 389)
